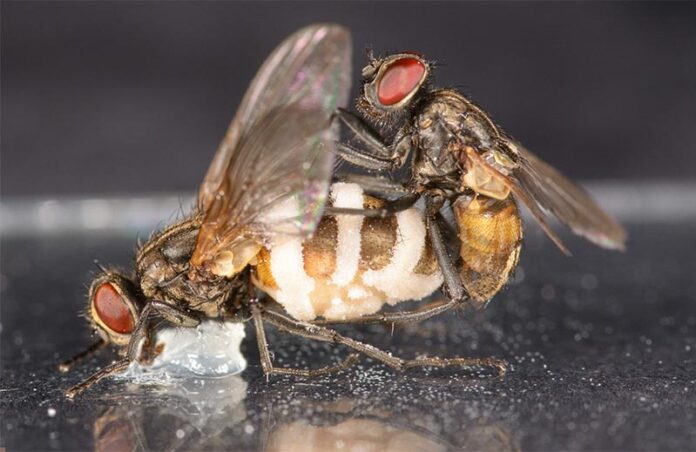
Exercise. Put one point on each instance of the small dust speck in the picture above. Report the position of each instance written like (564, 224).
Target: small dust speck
(51, 412)
(180, 433)
(248, 429)
(588, 281)
(548, 292)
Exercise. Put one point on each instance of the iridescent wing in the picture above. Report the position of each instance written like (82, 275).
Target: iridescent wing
(272, 170)
(542, 188)
(571, 204)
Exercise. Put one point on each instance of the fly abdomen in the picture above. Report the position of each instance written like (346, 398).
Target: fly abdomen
(490, 233)
(352, 265)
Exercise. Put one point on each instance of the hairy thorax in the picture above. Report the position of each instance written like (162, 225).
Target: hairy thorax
(446, 124)
(164, 272)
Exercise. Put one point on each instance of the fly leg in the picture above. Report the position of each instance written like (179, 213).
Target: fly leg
(92, 349)
(104, 372)
(320, 333)
(374, 185)
(171, 313)
(453, 287)
(390, 208)
(377, 157)
(362, 158)
(267, 363)
(141, 331)
(415, 315)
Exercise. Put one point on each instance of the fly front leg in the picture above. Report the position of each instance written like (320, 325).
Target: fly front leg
(175, 315)
(140, 332)
(389, 208)
(379, 186)
(91, 350)
(267, 363)
(363, 159)
(378, 156)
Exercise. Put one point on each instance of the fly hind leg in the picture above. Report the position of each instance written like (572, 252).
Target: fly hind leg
(416, 315)
(270, 369)
(320, 333)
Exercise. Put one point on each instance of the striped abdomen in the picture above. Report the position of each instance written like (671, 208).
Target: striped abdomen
(352, 265)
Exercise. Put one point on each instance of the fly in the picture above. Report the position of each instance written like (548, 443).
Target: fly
(461, 161)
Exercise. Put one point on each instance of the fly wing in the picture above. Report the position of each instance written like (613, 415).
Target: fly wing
(543, 188)
(272, 170)
(312, 68)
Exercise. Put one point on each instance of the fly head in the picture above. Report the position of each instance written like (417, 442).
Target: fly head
(114, 307)
(391, 86)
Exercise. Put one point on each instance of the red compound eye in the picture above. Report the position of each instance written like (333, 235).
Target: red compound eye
(401, 77)
(112, 309)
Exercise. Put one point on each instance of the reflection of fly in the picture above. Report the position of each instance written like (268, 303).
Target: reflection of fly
(461, 159)
(261, 200)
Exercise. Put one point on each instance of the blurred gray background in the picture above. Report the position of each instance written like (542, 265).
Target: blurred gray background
(121, 97)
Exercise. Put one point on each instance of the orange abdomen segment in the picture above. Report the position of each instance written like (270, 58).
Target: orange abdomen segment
(490, 233)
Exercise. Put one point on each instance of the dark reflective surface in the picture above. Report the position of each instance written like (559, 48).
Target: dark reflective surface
(602, 346)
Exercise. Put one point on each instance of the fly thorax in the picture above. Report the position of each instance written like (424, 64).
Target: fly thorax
(164, 272)
(163, 259)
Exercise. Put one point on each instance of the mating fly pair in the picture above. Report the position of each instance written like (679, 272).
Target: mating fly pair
(270, 233)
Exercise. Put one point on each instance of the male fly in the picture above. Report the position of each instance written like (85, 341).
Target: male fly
(261, 222)
(462, 161)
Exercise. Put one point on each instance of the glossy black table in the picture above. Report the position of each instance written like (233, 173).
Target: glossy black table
(602, 347)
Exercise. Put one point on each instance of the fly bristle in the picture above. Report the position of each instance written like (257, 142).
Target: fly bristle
(155, 231)
(434, 64)
(86, 314)
(370, 54)
(100, 266)
(384, 120)
(338, 163)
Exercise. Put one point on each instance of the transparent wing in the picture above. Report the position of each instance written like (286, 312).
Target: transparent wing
(271, 173)
(542, 188)
(311, 68)
(549, 190)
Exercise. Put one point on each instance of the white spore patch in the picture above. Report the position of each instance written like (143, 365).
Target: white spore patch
(348, 247)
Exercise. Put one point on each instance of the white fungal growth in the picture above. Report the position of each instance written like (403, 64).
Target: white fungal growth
(210, 350)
